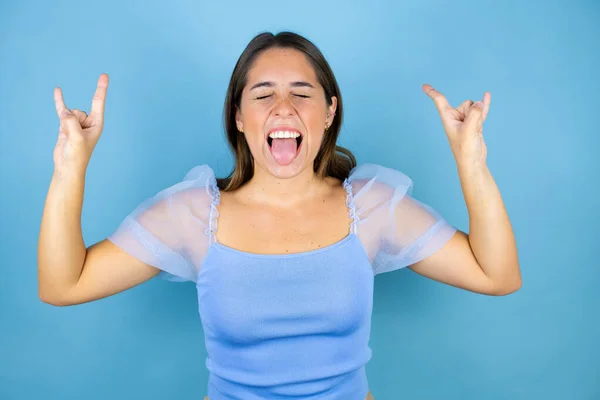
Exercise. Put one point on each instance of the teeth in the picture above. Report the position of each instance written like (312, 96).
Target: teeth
(283, 135)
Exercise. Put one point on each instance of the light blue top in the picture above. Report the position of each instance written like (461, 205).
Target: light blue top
(286, 326)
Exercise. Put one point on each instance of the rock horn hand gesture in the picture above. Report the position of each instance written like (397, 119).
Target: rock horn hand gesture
(78, 132)
(463, 125)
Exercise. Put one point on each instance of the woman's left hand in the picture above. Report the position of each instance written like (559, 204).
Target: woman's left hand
(463, 126)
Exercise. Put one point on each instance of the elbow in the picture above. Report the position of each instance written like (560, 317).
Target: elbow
(56, 302)
(52, 292)
(508, 287)
(52, 298)
(507, 291)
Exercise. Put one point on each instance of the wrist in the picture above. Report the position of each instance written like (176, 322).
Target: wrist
(68, 176)
(470, 168)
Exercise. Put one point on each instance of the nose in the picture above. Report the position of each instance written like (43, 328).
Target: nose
(283, 107)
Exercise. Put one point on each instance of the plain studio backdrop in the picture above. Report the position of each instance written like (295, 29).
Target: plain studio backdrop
(169, 66)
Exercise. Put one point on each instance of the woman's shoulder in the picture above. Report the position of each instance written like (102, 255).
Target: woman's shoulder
(202, 174)
(378, 180)
(197, 189)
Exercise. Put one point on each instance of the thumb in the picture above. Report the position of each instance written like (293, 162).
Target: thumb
(474, 119)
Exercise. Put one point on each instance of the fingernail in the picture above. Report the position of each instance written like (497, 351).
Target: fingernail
(479, 104)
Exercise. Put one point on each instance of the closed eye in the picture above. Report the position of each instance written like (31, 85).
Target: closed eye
(297, 95)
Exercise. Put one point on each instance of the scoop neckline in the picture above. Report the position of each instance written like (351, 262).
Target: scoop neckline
(215, 214)
(331, 246)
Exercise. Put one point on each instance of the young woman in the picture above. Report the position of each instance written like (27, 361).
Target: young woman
(285, 284)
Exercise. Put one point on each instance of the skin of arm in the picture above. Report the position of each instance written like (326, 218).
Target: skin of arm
(485, 260)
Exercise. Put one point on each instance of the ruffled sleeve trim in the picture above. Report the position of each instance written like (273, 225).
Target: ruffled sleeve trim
(350, 205)
(213, 219)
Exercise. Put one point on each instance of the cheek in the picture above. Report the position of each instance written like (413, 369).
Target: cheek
(313, 116)
(254, 115)
(318, 140)
(254, 121)
(316, 127)
(256, 142)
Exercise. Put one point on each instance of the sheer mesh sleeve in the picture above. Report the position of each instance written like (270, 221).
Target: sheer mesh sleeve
(396, 229)
(171, 230)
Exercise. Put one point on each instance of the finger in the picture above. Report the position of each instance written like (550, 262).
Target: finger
(464, 107)
(487, 100)
(59, 102)
(81, 115)
(440, 101)
(474, 119)
(99, 99)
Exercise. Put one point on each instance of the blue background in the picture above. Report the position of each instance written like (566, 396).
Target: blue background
(169, 66)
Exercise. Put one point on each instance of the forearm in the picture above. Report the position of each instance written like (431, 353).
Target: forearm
(61, 249)
(490, 233)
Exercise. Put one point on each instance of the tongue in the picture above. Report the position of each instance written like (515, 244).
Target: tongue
(284, 150)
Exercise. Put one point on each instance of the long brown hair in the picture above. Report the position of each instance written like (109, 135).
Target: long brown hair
(331, 160)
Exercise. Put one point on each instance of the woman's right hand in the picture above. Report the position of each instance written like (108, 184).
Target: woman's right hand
(78, 132)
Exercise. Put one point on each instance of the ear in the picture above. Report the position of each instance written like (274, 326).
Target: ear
(238, 120)
(331, 110)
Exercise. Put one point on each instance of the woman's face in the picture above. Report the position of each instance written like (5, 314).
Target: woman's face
(283, 112)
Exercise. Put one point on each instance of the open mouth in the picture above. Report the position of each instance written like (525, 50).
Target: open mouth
(298, 141)
(285, 146)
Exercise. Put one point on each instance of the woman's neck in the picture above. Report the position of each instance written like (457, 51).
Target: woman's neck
(268, 190)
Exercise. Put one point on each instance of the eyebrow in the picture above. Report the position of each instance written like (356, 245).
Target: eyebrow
(292, 84)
